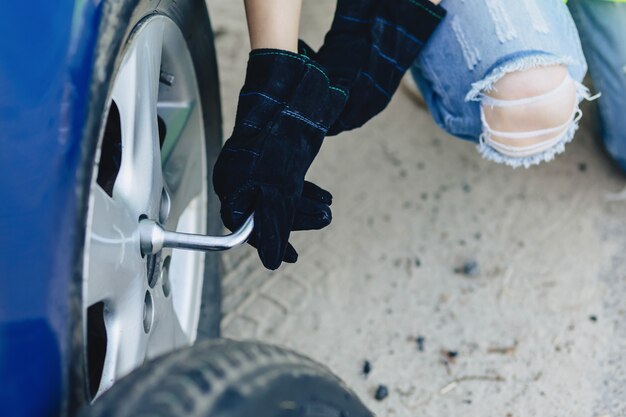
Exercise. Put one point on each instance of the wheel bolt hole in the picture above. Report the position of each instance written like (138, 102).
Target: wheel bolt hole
(166, 205)
(148, 312)
(152, 269)
(165, 276)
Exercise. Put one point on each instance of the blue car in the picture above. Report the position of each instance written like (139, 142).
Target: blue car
(109, 126)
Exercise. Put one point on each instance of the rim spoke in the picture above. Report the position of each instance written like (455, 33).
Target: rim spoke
(183, 169)
(185, 264)
(113, 249)
(127, 340)
(139, 180)
(166, 332)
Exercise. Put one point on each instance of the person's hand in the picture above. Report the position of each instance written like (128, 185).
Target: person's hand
(285, 108)
(368, 49)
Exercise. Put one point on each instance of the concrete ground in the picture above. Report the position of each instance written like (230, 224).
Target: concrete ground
(534, 328)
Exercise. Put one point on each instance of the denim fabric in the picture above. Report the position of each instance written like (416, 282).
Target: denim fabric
(369, 47)
(602, 29)
(285, 109)
(480, 40)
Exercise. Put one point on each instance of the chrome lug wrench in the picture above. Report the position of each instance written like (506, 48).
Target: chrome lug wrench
(153, 237)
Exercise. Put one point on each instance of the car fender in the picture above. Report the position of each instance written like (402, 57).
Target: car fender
(46, 61)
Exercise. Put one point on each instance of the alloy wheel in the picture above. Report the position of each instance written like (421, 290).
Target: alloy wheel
(151, 164)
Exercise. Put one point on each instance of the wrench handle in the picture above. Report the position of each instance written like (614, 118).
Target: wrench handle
(153, 237)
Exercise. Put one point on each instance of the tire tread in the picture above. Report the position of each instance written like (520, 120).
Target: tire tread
(198, 381)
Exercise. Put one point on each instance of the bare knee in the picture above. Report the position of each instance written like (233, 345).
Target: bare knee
(526, 111)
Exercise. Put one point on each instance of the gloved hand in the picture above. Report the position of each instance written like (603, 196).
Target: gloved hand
(285, 108)
(368, 49)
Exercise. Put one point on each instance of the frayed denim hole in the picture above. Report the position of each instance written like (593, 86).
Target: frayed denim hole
(493, 155)
(513, 63)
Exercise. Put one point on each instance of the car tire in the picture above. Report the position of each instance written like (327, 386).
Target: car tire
(119, 19)
(225, 378)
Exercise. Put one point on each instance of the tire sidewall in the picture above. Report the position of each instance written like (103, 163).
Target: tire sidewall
(226, 378)
(119, 19)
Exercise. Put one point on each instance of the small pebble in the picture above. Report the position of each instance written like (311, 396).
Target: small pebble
(467, 188)
(582, 167)
(420, 343)
(593, 318)
(418, 262)
(448, 388)
(367, 367)
(469, 269)
(449, 356)
(452, 354)
(381, 393)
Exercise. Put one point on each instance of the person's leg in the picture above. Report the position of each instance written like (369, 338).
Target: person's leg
(507, 75)
(548, 118)
(273, 23)
(602, 28)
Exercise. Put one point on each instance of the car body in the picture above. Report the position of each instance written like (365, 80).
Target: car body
(46, 61)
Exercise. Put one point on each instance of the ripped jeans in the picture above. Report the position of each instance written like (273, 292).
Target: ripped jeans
(481, 76)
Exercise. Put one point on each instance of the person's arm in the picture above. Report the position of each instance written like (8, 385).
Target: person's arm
(286, 107)
(369, 47)
(273, 23)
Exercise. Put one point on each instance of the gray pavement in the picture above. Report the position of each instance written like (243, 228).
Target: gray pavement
(536, 328)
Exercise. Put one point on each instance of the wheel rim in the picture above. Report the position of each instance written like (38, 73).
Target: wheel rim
(151, 164)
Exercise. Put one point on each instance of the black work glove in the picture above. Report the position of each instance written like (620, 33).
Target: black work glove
(368, 49)
(285, 109)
